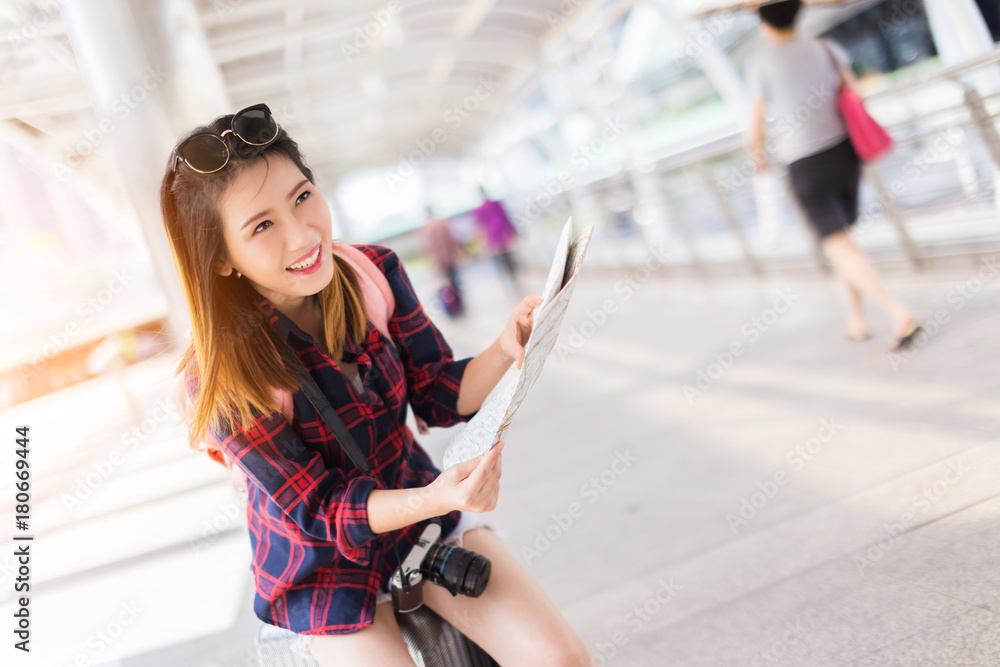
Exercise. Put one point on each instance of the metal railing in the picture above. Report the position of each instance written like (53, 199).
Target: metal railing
(934, 196)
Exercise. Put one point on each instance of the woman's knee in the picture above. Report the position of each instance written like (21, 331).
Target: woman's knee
(836, 242)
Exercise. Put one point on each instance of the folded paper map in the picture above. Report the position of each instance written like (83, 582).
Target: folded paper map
(493, 419)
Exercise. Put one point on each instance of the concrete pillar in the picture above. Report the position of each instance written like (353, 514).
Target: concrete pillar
(960, 33)
(150, 77)
(959, 30)
(173, 38)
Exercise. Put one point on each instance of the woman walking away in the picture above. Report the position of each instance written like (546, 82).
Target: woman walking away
(797, 81)
(251, 238)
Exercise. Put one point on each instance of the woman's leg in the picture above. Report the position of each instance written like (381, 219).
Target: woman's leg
(513, 620)
(858, 273)
(379, 644)
(857, 328)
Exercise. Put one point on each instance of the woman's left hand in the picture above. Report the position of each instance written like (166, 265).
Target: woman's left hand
(518, 329)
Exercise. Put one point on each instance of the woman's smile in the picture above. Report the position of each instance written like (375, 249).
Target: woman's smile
(310, 264)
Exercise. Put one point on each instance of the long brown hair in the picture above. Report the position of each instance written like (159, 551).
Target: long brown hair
(232, 349)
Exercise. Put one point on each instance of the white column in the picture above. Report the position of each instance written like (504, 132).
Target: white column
(150, 77)
(960, 33)
(959, 30)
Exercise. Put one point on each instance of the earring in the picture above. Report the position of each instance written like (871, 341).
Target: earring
(239, 275)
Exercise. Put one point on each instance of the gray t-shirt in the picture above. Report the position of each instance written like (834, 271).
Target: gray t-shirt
(799, 84)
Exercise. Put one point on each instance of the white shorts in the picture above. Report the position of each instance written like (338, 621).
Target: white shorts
(467, 522)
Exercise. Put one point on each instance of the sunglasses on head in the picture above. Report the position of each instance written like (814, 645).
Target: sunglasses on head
(208, 153)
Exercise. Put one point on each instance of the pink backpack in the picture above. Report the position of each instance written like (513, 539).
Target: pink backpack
(380, 304)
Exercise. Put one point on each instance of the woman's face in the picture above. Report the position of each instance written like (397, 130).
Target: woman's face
(273, 218)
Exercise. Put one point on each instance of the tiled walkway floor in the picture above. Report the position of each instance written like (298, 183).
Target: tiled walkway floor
(805, 501)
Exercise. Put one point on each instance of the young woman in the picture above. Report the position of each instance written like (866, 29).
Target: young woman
(251, 238)
(797, 80)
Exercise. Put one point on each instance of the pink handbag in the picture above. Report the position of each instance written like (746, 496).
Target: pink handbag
(870, 140)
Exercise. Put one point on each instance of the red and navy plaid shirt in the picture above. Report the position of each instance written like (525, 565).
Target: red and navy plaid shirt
(317, 565)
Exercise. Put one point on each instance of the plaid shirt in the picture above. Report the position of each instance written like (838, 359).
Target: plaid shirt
(317, 565)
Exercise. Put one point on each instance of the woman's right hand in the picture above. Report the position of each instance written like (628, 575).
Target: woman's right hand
(472, 486)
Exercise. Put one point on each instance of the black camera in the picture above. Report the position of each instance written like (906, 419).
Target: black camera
(455, 569)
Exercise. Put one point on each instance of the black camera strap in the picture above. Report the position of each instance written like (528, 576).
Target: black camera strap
(340, 430)
(332, 419)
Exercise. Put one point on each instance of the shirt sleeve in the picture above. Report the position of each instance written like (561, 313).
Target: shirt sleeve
(433, 377)
(321, 500)
(755, 85)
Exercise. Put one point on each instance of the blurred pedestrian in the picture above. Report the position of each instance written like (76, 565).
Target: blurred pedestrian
(499, 236)
(440, 245)
(797, 81)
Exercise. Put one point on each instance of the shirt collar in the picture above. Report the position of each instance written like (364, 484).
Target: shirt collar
(287, 329)
(283, 324)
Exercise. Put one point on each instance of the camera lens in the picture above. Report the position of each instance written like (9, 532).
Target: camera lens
(457, 569)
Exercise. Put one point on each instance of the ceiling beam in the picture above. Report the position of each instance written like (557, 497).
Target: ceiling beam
(337, 32)
(247, 80)
(471, 17)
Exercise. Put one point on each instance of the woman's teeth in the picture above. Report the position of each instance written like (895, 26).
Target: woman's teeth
(306, 264)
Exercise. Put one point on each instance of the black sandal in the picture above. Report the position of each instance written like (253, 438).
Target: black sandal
(906, 339)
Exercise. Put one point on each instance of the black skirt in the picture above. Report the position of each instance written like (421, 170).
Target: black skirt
(826, 186)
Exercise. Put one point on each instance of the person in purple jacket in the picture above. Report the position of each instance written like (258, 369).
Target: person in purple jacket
(498, 235)
(251, 238)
